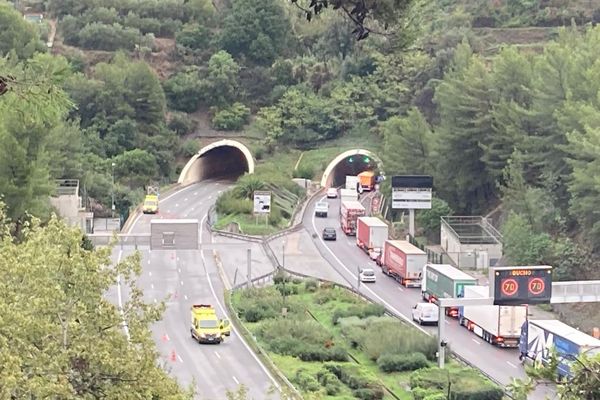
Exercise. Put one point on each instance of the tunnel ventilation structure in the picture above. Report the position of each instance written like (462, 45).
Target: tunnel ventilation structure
(351, 162)
(224, 159)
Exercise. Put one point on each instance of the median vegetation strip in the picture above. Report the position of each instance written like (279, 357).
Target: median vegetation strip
(332, 344)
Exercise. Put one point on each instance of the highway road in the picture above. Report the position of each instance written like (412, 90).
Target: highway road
(185, 277)
(345, 257)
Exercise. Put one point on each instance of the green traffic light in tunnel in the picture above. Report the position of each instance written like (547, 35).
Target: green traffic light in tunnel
(366, 159)
(350, 159)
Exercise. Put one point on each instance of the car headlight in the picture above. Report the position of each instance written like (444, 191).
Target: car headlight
(202, 335)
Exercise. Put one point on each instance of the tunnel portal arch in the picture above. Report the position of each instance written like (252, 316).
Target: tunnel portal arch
(328, 175)
(200, 166)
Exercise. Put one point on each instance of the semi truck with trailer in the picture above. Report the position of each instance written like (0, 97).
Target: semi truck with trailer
(352, 182)
(348, 195)
(444, 281)
(371, 233)
(498, 325)
(349, 213)
(403, 261)
(540, 337)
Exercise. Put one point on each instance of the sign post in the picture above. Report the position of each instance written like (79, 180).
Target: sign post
(412, 192)
(262, 204)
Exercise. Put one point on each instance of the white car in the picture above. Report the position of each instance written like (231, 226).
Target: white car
(367, 275)
(425, 313)
(332, 193)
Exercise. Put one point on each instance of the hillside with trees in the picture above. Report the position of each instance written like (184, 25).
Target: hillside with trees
(429, 83)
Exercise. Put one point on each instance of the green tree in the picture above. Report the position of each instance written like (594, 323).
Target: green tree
(464, 108)
(522, 245)
(185, 90)
(61, 337)
(137, 167)
(256, 29)
(431, 220)
(17, 34)
(30, 111)
(222, 81)
(406, 144)
(194, 36)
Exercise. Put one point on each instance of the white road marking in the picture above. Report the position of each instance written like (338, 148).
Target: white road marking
(446, 321)
(400, 289)
(167, 337)
(179, 357)
(511, 364)
(476, 341)
(217, 354)
(219, 192)
(152, 286)
(181, 283)
(385, 303)
(185, 296)
(185, 199)
(155, 301)
(178, 261)
(195, 193)
(235, 379)
(176, 205)
(150, 273)
(120, 300)
(179, 270)
(209, 196)
(149, 264)
(212, 289)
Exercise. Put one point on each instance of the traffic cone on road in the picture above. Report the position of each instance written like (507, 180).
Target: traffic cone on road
(173, 356)
(165, 338)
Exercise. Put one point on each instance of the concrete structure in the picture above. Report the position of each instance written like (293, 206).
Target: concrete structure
(180, 234)
(68, 205)
(327, 177)
(471, 242)
(222, 158)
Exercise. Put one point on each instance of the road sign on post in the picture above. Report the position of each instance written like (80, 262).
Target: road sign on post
(521, 285)
(262, 202)
(412, 192)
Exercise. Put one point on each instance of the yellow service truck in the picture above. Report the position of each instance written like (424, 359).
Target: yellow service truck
(206, 327)
(150, 204)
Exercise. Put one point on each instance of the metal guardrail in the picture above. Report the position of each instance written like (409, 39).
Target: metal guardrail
(120, 239)
(575, 292)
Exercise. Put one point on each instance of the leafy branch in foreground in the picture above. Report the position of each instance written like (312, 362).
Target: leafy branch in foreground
(385, 12)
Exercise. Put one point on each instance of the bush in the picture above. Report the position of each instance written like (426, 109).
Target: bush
(258, 304)
(306, 381)
(181, 123)
(190, 147)
(328, 293)
(287, 290)
(360, 311)
(304, 171)
(304, 330)
(311, 285)
(428, 394)
(402, 362)
(280, 277)
(369, 393)
(227, 203)
(321, 353)
(232, 118)
(466, 383)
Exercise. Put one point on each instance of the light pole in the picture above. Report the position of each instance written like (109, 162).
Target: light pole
(112, 204)
(283, 267)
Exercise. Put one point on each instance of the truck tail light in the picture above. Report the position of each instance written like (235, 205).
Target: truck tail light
(500, 339)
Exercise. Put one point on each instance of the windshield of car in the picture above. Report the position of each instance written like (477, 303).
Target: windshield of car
(208, 323)
(322, 205)
(329, 230)
(150, 203)
(368, 272)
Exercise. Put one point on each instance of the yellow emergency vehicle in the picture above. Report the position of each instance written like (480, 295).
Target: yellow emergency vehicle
(150, 204)
(206, 327)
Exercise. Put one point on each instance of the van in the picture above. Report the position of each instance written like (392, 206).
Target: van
(425, 313)
(321, 209)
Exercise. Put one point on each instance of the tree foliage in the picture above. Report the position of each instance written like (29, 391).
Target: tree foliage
(61, 337)
(17, 34)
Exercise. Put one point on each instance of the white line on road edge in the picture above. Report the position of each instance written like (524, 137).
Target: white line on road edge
(217, 354)
(235, 379)
(120, 300)
(385, 303)
(212, 289)
(511, 364)
(476, 341)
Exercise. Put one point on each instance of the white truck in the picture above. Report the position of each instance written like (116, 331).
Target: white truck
(348, 195)
(321, 209)
(498, 325)
(352, 182)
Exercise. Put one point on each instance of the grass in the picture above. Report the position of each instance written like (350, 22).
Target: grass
(247, 224)
(322, 311)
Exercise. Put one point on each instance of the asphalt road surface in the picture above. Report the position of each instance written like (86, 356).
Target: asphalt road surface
(345, 257)
(185, 277)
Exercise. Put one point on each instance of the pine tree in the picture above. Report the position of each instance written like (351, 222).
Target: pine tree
(463, 98)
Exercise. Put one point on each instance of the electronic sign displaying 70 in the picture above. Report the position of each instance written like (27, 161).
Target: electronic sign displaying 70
(521, 285)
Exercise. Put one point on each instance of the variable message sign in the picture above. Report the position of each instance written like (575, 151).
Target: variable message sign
(521, 285)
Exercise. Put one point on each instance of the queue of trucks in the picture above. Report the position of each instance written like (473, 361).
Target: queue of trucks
(501, 326)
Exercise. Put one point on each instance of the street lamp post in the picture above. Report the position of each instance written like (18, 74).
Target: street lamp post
(112, 204)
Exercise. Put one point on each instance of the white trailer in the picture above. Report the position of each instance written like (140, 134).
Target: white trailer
(352, 182)
(348, 195)
(498, 325)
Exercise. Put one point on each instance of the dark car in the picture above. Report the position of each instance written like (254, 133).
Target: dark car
(329, 234)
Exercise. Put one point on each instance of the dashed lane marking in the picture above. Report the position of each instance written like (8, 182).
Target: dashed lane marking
(476, 341)
(235, 379)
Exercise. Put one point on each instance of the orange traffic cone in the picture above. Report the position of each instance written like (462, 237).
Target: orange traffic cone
(173, 356)
(165, 338)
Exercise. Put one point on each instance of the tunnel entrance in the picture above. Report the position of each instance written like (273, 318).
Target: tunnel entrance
(351, 162)
(225, 159)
